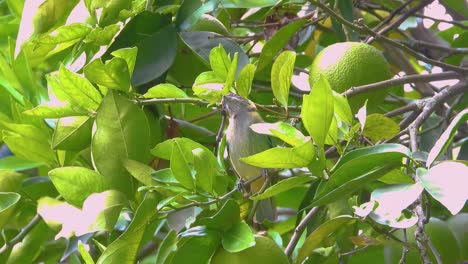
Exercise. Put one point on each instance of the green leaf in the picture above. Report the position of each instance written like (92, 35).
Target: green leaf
(78, 89)
(75, 184)
(317, 111)
(341, 108)
(100, 213)
(180, 166)
(29, 248)
(231, 75)
(190, 12)
(102, 36)
(247, 3)
(125, 248)
(72, 133)
(165, 90)
(379, 127)
(359, 167)
(129, 55)
(110, 12)
(209, 86)
(281, 130)
(18, 164)
(8, 201)
(69, 34)
(10, 181)
(168, 245)
(238, 237)
(220, 62)
(276, 43)
(140, 171)
(320, 234)
(114, 74)
(197, 248)
(145, 32)
(281, 75)
(244, 80)
(34, 149)
(444, 182)
(446, 138)
(85, 254)
(284, 185)
(389, 210)
(227, 216)
(122, 133)
(280, 157)
(50, 14)
(205, 171)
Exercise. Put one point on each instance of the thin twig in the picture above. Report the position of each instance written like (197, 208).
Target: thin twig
(405, 251)
(400, 20)
(298, 231)
(402, 80)
(19, 237)
(172, 101)
(219, 199)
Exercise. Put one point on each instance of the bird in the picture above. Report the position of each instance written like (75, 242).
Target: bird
(242, 141)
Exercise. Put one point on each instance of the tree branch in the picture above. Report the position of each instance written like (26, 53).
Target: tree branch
(402, 80)
(19, 237)
(298, 231)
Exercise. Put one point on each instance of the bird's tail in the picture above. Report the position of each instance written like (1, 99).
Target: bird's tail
(266, 210)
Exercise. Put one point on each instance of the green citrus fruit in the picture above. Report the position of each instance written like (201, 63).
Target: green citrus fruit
(264, 251)
(351, 64)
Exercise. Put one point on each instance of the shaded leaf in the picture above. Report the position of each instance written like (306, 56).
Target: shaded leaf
(379, 127)
(238, 237)
(282, 186)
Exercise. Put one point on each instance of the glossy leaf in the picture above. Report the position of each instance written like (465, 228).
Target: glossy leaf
(29, 148)
(281, 130)
(280, 157)
(69, 34)
(113, 74)
(140, 171)
(245, 79)
(197, 248)
(238, 237)
(102, 36)
(10, 181)
(230, 74)
(276, 43)
(446, 183)
(180, 166)
(359, 167)
(145, 32)
(227, 216)
(205, 171)
(446, 138)
(168, 245)
(100, 213)
(165, 90)
(318, 236)
(341, 108)
(8, 201)
(72, 133)
(209, 86)
(283, 186)
(317, 111)
(122, 133)
(220, 62)
(17, 163)
(78, 90)
(281, 75)
(75, 184)
(125, 248)
(129, 55)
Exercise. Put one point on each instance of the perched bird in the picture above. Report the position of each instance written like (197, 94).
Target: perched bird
(242, 141)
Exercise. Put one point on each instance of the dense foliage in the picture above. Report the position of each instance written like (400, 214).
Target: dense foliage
(112, 148)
